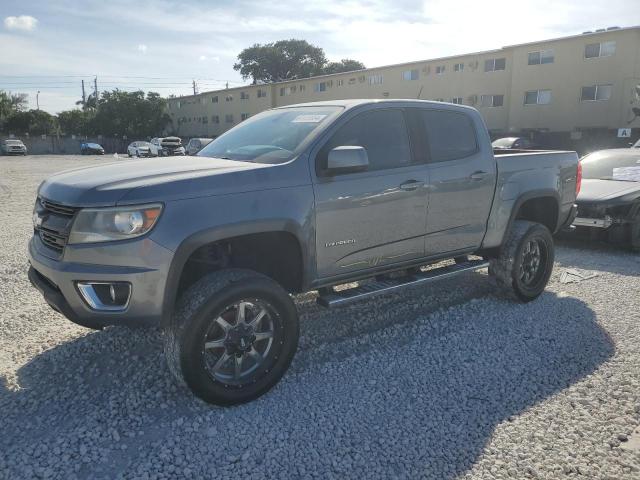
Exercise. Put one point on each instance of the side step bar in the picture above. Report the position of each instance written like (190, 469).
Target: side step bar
(343, 297)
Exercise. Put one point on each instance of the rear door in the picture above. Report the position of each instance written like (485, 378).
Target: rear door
(462, 176)
(376, 217)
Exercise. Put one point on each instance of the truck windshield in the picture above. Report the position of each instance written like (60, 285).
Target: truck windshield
(623, 164)
(273, 137)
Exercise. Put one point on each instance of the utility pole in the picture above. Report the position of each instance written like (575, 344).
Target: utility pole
(38, 100)
(95, 86)
(84, 96)
(194, 87)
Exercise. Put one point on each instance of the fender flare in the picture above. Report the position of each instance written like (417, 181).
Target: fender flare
(216, 234)
(530, 195)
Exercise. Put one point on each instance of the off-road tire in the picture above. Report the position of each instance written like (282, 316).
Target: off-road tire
(195, 311)
(505, 269)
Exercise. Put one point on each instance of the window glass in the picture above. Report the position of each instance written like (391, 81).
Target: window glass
(534, 58)
(592, 50)
(498, 100)
(501, 63)
(381, 132)
(588, 93)
(544, 97)
(531, 98)
(546, 56)
(603, 92)
(607, 49)
(451, 135)
(489, 65)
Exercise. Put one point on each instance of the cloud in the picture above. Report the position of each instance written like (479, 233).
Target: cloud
(25, 23)
(142, 48)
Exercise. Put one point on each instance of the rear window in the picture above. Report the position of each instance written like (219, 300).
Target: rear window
(451, 135)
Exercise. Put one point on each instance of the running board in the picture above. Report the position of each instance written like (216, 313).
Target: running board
(343, 297)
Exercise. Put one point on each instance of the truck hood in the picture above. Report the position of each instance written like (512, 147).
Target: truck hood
(593, 191)
(155, 179)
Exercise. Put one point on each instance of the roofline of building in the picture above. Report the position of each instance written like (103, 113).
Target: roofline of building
(415, 62)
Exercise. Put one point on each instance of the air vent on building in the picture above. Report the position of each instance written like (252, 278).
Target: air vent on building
(601, 30)
(613, 28)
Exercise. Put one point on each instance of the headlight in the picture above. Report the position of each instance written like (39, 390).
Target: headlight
(108, 224)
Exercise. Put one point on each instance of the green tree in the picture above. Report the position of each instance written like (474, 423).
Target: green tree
(344, 65)
(76, 121)
(130, 113)
(282, 60)
(34, 122)
(11, 103)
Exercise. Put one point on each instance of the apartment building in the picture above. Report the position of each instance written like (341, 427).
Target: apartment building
(564, 88)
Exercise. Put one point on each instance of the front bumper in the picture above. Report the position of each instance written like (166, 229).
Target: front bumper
(142, 263)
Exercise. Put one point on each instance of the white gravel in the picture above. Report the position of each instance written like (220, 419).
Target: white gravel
(444, 382)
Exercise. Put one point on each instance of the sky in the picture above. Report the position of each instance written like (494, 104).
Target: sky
(163, 45)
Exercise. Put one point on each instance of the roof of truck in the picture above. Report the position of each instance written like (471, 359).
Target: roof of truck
(349, 103)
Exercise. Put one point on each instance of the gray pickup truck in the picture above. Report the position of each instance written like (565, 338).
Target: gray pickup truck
(380, 194)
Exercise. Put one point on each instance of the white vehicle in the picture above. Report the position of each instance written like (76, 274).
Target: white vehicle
(166, 147)
(139, 149)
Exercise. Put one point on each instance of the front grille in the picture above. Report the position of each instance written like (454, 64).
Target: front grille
(56, 224)
(57, 208)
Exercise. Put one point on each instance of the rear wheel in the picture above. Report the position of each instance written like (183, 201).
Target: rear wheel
(524, 265)
(233, 336)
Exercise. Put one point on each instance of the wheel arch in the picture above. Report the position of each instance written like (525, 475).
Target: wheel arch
(275, 230)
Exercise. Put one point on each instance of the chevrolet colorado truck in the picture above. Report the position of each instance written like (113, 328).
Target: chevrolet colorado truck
(382, 195)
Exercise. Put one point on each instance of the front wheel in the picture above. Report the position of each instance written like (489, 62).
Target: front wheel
(232, 337)
(524, 265)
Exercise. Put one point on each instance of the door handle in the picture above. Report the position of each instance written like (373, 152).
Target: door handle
(479, 175)
(411, 185)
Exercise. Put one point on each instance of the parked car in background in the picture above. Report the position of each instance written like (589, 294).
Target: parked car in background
(609, 200)
(166, 146)
(139, 149)
(304, 197)
(197, 144)
(513, 143)
(91, 149)
(13, 146)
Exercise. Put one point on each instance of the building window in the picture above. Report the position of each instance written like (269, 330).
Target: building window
(410, 75)
(491, 100)
(215, 119)
(375, 79)
(596, 92)
(244, 96)
(205, 119)
(541, 57)
(179, 104)
(537, 97)
(228, 118)
(440, 69)
(340, 83)
(494, 64)
(229, 98)
(457, 100)
(244, 116)
(438, 100)
(458, 67)
(352, 81)
(214, 99)
(286, 91)
(320, 87)
(261, 93)
(603, 49)
(302, 88)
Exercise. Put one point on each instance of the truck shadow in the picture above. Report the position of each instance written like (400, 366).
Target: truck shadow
(425, 390)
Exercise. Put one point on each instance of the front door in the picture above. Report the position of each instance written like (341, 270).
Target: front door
(376, 217)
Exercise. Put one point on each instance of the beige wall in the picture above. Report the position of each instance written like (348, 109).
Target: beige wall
(564, 77)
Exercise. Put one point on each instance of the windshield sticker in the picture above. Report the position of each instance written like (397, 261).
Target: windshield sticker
(627, 173)
(309, 118)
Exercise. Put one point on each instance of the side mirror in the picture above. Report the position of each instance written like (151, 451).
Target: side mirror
(347, 159)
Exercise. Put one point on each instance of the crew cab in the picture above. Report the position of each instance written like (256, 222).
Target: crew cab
(388, 194)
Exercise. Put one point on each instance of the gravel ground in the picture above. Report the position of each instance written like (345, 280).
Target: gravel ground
(445, 382)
